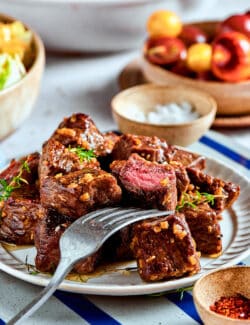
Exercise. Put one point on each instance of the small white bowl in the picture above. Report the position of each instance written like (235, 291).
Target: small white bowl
(146, 97)
(219, 283)
(17, 101)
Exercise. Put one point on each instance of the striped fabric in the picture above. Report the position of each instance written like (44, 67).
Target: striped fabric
(228, 152)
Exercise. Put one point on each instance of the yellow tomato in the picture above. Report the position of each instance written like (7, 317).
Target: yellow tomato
(164, 23)
(199, 57)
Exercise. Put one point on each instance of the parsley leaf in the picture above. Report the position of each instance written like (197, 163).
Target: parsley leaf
(82, 153)
(7, 188)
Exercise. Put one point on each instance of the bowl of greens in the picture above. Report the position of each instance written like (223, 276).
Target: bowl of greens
(21, 67)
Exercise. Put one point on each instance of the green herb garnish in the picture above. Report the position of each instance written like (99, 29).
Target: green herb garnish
(7, 188)
(193, 199)
(30, 268)
(180, 290)
(83, 154)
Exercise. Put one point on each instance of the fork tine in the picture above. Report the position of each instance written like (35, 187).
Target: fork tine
(98, 213)
(135, 215)
(117, 212)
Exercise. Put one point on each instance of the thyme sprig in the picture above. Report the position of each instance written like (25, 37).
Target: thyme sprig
(6, 188)
(31, 269)
(181, 291)
(193, 199)
(82, 153)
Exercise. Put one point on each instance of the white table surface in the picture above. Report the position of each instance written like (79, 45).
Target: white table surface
(78, 84)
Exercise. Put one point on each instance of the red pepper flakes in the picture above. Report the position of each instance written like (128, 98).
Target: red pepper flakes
(236, 306)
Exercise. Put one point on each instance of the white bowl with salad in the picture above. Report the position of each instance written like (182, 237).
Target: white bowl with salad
(21, 67)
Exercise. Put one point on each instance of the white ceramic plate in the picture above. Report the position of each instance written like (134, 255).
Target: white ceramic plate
(236, 242)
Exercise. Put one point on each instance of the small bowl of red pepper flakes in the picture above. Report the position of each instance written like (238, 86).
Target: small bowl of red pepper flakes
(222, 297)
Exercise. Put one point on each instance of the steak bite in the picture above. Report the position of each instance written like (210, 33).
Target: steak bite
(225, 193)
(182, 179)
(79, 192)
(57, 158)
(30, 174)
(117, 247)
(203, 222)
(183, 157)
(19, 215)
(164, 248)
(146, 183)
(20, 208)
(110, 139)
(155, 149)
(150, 148)
(47, 236)
(80, 130)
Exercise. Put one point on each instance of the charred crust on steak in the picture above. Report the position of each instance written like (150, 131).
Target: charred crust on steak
(150, 148)
(203, 222)
(164, 248)
(225, 192)
(47, 236)
(79, 192)
(22, 210)
(80, 130)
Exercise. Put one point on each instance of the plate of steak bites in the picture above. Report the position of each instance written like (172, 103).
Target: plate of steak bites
(80, 169)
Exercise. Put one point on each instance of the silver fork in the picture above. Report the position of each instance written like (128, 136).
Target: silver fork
(83, 238)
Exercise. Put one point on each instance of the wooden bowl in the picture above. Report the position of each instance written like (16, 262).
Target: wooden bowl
(231, 98)
(17, 101)
(223, 282)
(146, 97)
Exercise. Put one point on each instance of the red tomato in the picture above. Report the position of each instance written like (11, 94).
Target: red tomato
(231, 57)
(164, 50)
(238, 23)
(181, 69)
(192, 34)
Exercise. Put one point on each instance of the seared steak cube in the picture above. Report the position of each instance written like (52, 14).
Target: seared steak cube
(57, 158)
(186, 158)
(146, 183)
(164, 248)
(150, 148)
(110, 139)
(30, 174)
(203, 222)
(182, 179)
(225, 192)
(79, 192)
(117, 247)
(155, 149)
(47, 236)
(20, 209)
(19, 215)
(80, 130)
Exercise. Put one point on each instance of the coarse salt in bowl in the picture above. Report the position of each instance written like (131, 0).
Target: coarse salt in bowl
(178, 114)
(170, 113)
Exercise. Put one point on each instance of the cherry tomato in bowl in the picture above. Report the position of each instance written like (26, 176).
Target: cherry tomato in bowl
(191, 34)
(164, 23)
(164, 50)
(199, 57)
(238, 23)
(231, 57)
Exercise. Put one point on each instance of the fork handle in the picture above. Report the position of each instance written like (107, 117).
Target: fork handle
(60, 273)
